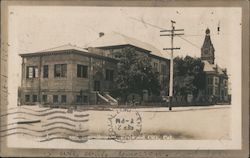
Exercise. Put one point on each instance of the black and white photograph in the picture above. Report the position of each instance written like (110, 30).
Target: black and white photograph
(117, 77)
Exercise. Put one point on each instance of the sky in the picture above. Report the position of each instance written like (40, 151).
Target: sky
(35, 28)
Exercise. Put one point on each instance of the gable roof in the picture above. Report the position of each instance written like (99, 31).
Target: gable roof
(116, 39)
(212, 68)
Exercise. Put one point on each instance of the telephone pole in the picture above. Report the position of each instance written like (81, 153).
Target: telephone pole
(172, 34)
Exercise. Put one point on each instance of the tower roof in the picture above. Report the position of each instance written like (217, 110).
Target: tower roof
(207, 31)
(207, 49)
(207, 42)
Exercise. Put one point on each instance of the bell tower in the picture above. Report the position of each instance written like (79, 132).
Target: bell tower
(207, 49)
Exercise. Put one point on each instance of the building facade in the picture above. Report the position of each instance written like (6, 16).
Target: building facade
(70, 75)
(216, 88)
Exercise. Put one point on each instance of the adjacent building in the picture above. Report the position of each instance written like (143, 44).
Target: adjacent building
(71, 75)
(216, 87)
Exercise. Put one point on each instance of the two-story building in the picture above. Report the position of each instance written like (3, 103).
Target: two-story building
(65, 75)
(71, 75)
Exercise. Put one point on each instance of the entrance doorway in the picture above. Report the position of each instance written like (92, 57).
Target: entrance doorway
(97, 85)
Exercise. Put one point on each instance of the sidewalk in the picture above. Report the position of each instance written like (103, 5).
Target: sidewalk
(134, 108)
(177, 109)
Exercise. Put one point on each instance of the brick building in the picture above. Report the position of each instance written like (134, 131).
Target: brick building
(70, 75)
(216, 77)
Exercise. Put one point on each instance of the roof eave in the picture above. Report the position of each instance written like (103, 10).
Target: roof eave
(42, 53)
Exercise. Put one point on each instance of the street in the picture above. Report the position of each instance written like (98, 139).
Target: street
(184, 123)
(196, 123)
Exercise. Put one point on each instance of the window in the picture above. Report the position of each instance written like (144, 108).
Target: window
(81, 99)
(85, 99)
(210, 80)
(60, 70)
(32, 72)
(45, 71)
(34, 98)
(155, 65)
(97, 86)
(164, 69)
(225, 83)
(164, 82)
(109, 75)
(55, 98)
(27, 98)
(216, 80)
(45, 98)
(209, 91)
(64, 99)
(216, 91)
(117, 56)
(82, 71)
(222, 92)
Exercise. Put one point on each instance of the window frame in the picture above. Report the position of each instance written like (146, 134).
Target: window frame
(210, 80)
(34, 98)
(34, 72)
(63, 98)
(45, 67)
(78, 99)
(164, 69)
(27, 96)
(109, 75)
(57, 98)
(43, 98)
(82, 71)
(81, 99)
(62, 68)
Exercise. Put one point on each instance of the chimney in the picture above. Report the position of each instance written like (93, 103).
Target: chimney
(101, 34)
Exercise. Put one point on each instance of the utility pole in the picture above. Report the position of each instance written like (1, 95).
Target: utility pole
(172, 34)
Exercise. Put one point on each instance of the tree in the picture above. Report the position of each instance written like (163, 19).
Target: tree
(189, 77)
(135, 74)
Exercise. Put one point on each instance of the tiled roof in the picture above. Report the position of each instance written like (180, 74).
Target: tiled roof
(115, 39)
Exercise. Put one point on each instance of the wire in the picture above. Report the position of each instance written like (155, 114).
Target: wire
(158, 27)
(189, 42)
(146, 23)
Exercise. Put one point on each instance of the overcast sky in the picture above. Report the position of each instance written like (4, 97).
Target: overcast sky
(34, 28)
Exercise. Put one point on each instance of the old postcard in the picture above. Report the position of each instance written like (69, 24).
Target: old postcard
(122, 78)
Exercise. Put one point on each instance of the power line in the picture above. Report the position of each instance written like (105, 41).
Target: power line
(196, 46)
(161, 28)
(146, 23)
